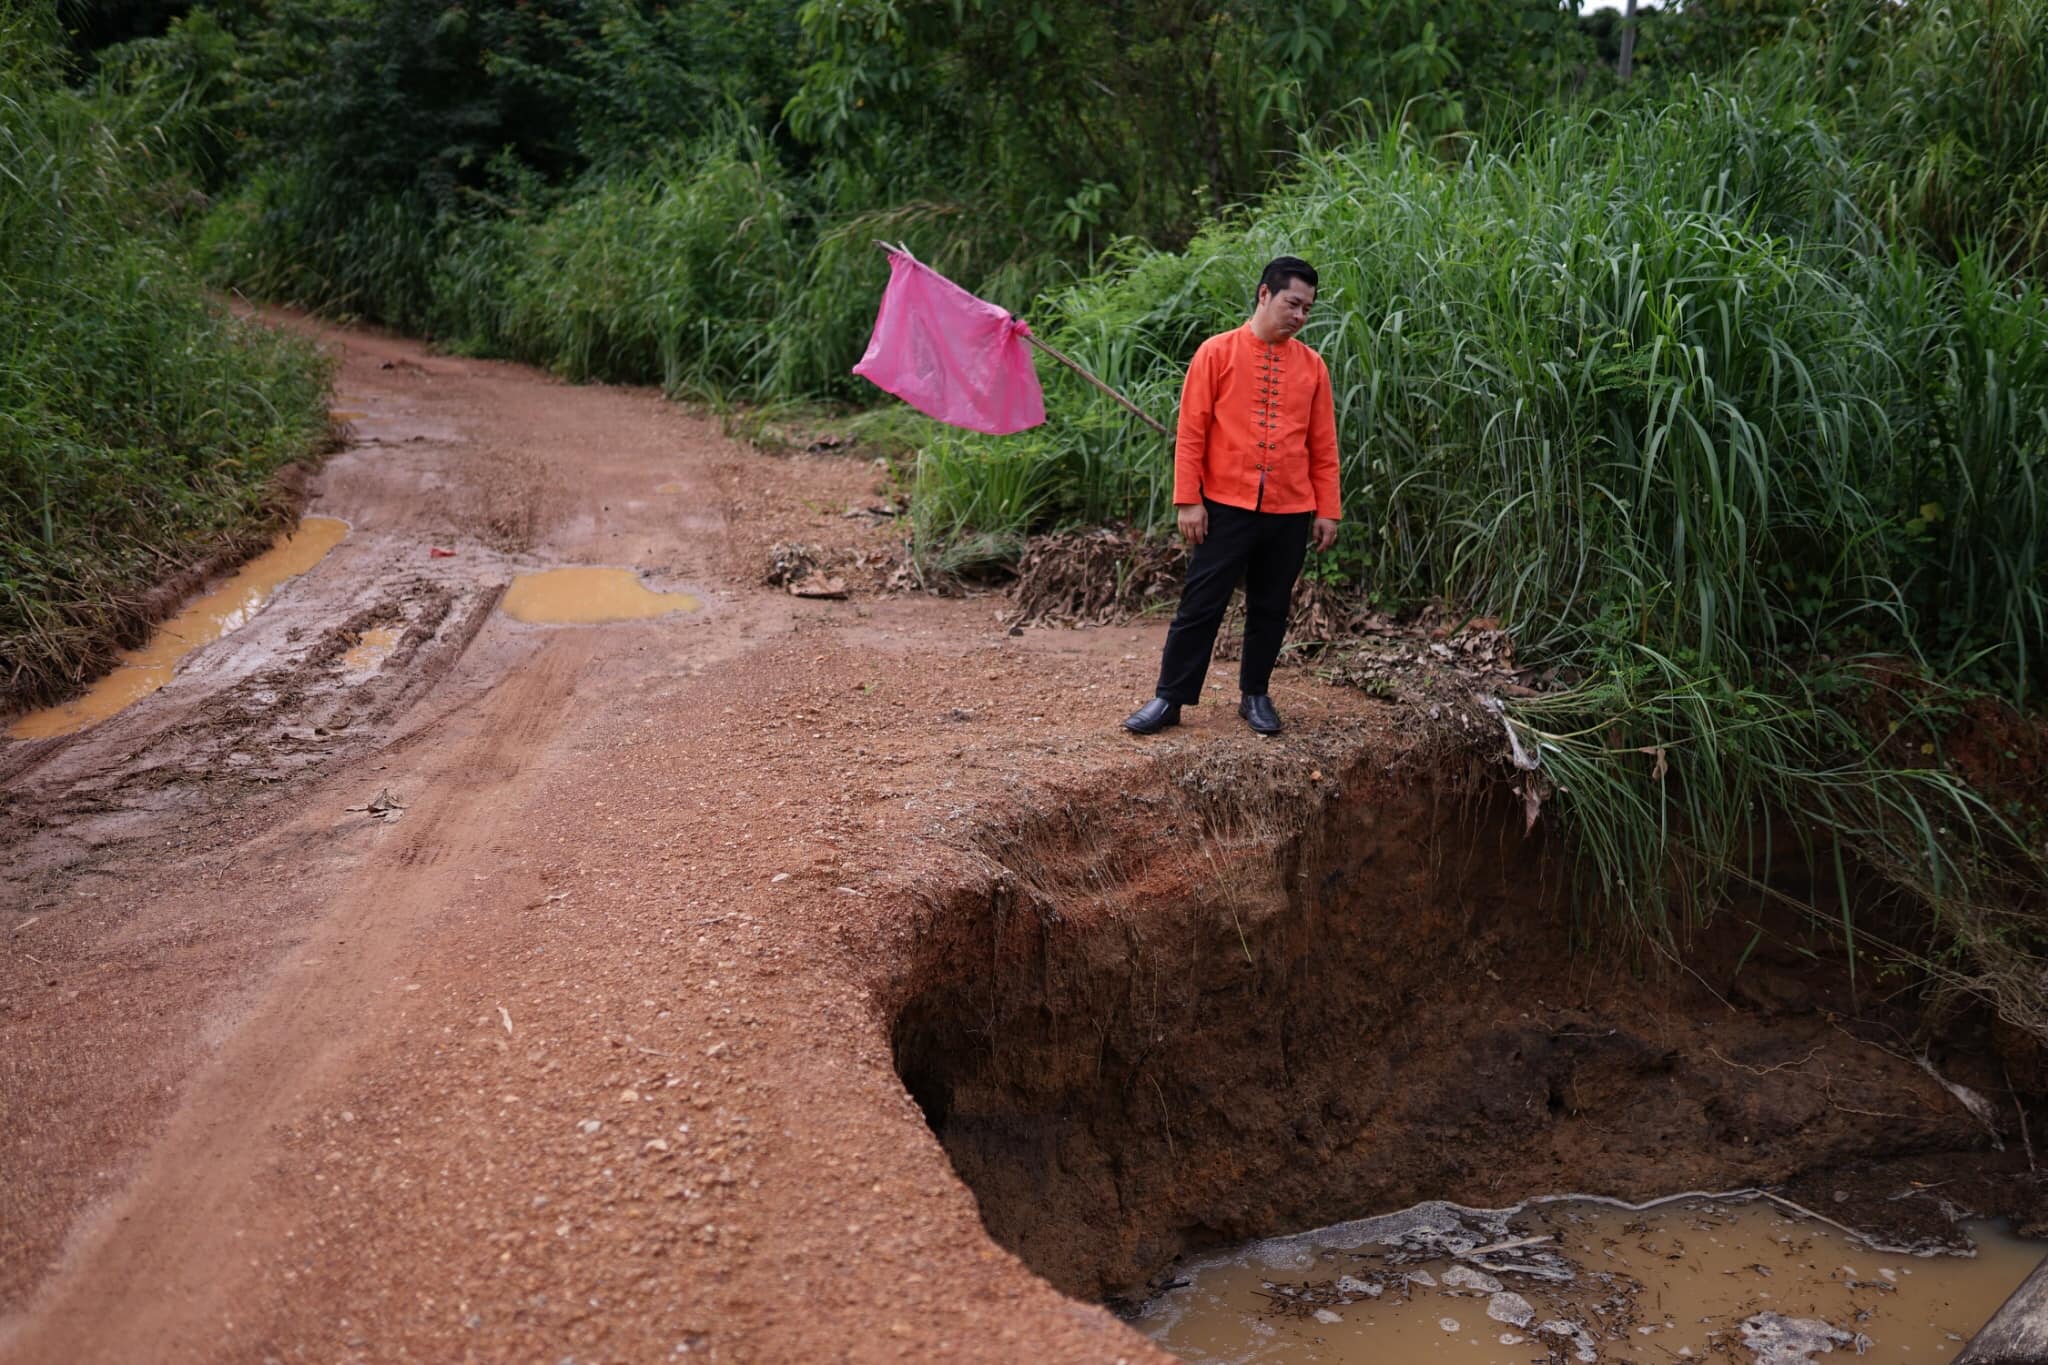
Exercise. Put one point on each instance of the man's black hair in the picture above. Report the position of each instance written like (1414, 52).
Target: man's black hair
(1281, 269)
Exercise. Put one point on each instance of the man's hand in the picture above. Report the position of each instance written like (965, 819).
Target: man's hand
(1323, 533)
(1194, 523)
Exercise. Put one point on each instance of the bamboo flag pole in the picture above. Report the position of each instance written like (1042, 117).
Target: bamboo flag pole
(1070, 363)
(1145, 416)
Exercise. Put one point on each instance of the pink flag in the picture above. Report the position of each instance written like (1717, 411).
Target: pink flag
(950, 355)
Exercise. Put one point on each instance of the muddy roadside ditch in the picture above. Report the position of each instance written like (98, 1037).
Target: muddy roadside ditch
(1277, 987)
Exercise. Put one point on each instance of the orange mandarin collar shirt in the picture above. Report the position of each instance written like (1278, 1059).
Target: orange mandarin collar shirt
(1258, 427)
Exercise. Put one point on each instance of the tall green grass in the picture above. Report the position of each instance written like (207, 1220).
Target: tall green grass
(1656, 389)
(1946, 103)
(672, 273)
(1647, 377)
(288, 236)
(139, 425)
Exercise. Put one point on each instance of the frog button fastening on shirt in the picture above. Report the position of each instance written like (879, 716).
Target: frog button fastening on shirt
(1269, 392)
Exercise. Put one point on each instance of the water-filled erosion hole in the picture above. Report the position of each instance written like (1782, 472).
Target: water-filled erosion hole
(1274, 989)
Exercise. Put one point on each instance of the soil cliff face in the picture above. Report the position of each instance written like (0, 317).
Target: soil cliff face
(1271, 994)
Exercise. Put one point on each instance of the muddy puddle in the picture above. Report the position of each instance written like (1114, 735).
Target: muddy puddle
(584, 597)
(1584, 1281)
(371, 649)
(227, 607)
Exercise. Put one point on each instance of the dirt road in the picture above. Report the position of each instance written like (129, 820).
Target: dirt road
(592, 1052)
(579, 1056)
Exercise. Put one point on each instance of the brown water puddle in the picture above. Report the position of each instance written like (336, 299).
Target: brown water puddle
(583, 597)
(1687, 1280)
(371, 648)
(142, 671)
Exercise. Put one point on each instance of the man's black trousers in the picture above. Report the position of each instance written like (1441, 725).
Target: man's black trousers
(1263, 550)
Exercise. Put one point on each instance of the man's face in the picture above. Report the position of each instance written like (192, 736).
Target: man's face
(1284, 313)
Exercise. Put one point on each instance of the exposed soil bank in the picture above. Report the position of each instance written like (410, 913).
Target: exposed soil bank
(1266, 996)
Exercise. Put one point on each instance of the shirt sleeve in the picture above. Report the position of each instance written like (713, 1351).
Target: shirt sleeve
(1191, 442)
(1322, 449)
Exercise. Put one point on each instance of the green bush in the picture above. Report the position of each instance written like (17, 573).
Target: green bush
(424, 163)
(673, 273)
(289, 236)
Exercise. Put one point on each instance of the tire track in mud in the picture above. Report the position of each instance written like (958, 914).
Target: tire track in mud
(299, 710)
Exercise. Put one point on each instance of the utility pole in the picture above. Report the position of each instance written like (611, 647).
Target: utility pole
(1627, 65)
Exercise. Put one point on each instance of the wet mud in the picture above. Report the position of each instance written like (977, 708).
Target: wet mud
(308, 657)
(281, 697)
(372, 647)
(1577, 1280)
(143, 670)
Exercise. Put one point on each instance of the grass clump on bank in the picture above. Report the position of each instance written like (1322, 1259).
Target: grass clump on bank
(1947, 105)
(139, 426)
(671, 273)
(1653, 387)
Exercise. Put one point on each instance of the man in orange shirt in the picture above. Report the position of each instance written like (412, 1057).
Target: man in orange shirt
(1255, 480)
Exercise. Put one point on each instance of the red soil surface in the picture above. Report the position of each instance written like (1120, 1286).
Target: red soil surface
(580, 1056)
(589, 1053)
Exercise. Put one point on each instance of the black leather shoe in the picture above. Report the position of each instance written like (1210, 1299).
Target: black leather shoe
(1260, 715)
(1154, 716)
